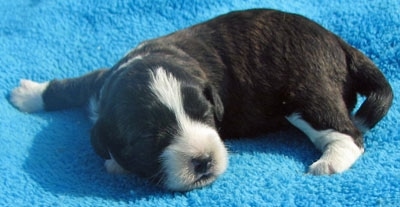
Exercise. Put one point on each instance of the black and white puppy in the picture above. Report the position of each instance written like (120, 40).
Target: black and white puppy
(161, 111)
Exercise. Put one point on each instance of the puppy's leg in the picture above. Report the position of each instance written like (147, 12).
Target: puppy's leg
(113, 167)
(31, 96)
(28, 96)
(334, 134)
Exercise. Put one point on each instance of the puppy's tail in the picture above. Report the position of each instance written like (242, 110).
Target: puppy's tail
(58, 94)
(371, 83)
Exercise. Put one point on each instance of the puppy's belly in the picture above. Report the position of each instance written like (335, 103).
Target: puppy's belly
(247, 128)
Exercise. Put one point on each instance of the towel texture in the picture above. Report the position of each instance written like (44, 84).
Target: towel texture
(46, 158)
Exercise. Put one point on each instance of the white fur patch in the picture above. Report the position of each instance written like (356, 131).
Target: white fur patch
(28, 96)
(168, 91)
(194, 139)
(339, 152)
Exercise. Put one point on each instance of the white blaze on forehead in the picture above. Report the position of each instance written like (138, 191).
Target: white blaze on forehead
(194, 139)
(168, 91)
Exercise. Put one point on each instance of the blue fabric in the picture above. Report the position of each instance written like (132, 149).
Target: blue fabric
(46, 158)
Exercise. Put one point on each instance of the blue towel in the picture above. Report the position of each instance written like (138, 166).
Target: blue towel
(46, 158)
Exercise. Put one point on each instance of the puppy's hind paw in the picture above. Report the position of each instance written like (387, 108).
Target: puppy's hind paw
(321, 167)
(28, 96)
(338, 156)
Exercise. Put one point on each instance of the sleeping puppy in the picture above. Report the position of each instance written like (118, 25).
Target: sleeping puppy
(163, 109)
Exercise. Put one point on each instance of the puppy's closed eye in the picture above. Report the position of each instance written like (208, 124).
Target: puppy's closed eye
(195, 104)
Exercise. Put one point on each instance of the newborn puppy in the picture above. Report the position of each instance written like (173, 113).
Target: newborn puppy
(161, 111)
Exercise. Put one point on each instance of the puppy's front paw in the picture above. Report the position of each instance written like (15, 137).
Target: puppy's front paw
(28, 96)
(113, 167)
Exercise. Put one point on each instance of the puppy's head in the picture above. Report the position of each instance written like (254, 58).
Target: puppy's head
(164, 130)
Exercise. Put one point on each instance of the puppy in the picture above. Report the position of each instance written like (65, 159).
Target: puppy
(162, 110)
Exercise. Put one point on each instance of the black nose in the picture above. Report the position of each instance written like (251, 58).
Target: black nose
(201, 165)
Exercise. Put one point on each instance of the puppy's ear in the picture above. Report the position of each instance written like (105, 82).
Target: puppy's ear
(211, 94)
(98, 137)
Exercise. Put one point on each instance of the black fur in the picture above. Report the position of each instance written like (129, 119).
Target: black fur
(242, 73)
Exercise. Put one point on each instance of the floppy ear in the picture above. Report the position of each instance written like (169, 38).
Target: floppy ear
(98, 136)
(211, 94)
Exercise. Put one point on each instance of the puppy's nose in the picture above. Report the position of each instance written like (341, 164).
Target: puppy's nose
(201, 165)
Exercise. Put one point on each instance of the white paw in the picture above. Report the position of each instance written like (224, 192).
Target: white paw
(338, 156)
(322, 167)
(28, 96)
(113, 167)
(339, 152)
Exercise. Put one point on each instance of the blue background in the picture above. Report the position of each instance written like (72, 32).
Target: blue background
(46, 158)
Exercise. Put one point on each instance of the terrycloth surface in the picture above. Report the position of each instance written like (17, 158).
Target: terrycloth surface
(46, 158)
